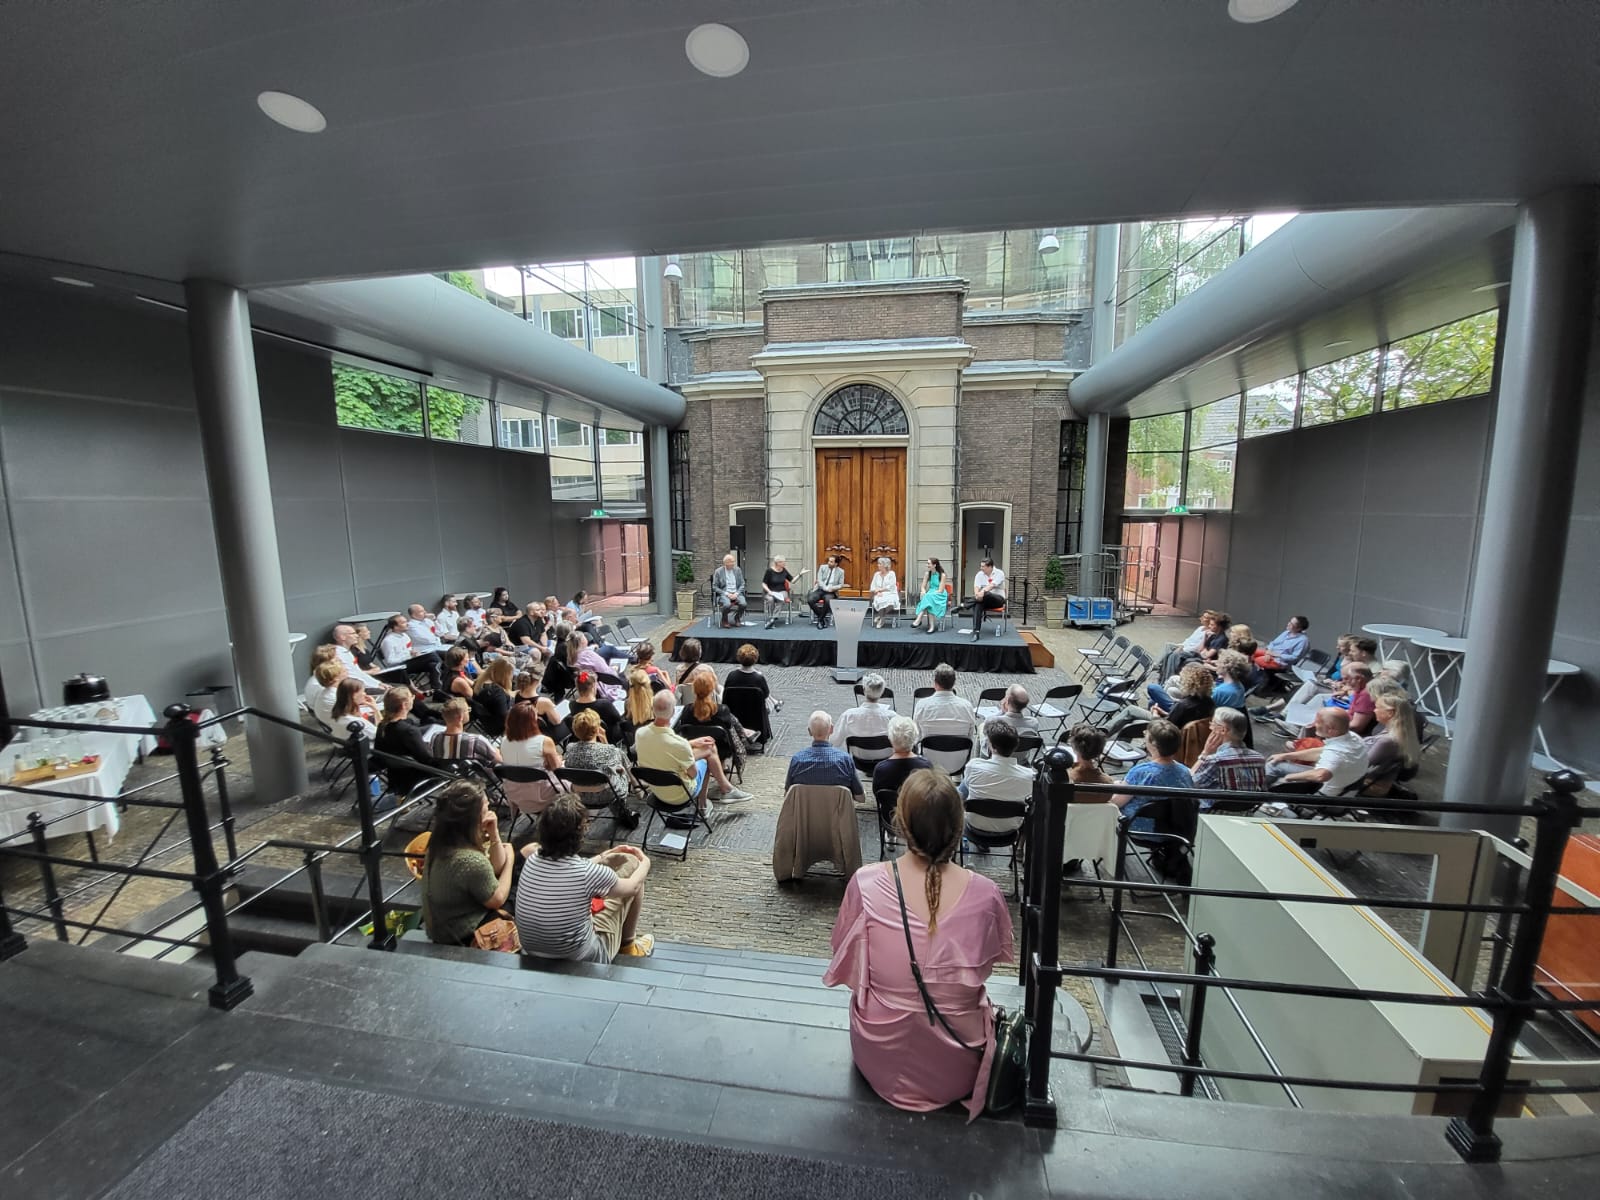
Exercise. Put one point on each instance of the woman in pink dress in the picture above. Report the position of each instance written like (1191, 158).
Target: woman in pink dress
(960, 928)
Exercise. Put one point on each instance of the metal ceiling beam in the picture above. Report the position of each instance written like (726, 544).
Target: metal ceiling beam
(1313, 264)
(440, 321)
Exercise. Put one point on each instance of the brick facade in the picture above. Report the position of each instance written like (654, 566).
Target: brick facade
(727, 467)
(1029, 339)
(715, 352)
(867, 315)
(1010, 448)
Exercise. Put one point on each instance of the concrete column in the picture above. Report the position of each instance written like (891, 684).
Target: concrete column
(229, 409)
(1516, 578)
(1094, 485)
(1102, 341)
(652, 364)
(661, 521)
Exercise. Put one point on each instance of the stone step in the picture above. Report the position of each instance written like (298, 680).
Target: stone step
(691, 951)
(102, 964)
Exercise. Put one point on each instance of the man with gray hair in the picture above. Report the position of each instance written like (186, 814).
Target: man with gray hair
(821, 764)
(344, 640)
(727, 585)
(660, 749)
(1227, 763)
(867, 719)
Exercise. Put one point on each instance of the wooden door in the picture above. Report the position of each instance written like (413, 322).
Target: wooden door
(861, 510)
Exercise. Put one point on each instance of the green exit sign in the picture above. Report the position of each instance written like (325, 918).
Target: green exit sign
(600, 512)
(1179, 510)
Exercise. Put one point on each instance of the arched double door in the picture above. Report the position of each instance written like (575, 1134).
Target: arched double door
(861, 490)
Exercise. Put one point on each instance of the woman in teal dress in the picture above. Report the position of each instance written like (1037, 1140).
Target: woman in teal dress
(934, 597)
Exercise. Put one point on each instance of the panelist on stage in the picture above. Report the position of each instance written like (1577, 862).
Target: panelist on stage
(989, 591)
(775, 589)
(885, 590)
(727, 584)
(830, 578)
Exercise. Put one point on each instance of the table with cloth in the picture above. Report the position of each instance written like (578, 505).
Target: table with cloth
(118, 752)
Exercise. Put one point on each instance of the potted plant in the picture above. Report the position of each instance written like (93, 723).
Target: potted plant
(683, 573)
(1055, 593)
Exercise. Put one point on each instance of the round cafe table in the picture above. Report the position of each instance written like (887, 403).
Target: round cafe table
(1393, 639)
(1556, 670)
(1442, 656)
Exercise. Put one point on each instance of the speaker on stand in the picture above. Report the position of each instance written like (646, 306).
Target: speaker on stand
(736, 542)
(986, 537)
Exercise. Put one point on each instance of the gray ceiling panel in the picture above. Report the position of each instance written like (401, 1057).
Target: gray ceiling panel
(470, 131)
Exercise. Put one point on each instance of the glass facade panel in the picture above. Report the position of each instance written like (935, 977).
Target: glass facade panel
(564, 323)
(1210, 482)
(372, 400)
(521, 428)
(1155, 462)
(622, 466)
(1270, 408)
(1214, 424)
(1340, 390)
(678, 486)
(1442, 364)
(458, 417)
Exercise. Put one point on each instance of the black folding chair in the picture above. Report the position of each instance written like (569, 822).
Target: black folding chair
(1028, 747)
(749, 708)
(868, 751)
(725, 748)
(1057, 704)
(861, 695)
(918, 694)
(988, 840)
(889, 836)
(594, 789)
(947, 751)
(669, 797)
(990, 702)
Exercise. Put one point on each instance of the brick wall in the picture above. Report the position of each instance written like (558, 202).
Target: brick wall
(727, 465)
(732, 353)
(1000, 343)
(1010, 443)
(856, 318)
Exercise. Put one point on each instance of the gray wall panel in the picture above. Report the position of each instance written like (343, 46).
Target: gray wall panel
(1406, 471)
(1406, 557)
(304, 462)
(160, 658)
(16, 668)
(313, 548)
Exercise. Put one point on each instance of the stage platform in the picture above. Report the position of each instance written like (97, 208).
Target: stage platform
(801, 644)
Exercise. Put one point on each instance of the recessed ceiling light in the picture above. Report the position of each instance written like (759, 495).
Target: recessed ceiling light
(292, 112)
(1337, 344)
(1489, 287)
(717, 50)
(1250, 12)
(70, 281)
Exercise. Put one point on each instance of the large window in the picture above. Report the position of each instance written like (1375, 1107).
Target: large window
(458, 417)
(614, 320)
(1340, 390)
(521, 428)
(1213, 441)
(678, 486)
(621, 466)
(570, 435)
(564, 323)
(1270, 408)
(859, 410)
(365, 399)
(1069, 487)
(1155, 462)
(1442, 364)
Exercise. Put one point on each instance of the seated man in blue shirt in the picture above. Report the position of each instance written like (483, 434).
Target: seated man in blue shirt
(821, 764)
(1162, 769)
(1288, 648)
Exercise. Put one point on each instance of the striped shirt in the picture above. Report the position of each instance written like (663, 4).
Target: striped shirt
(553, 910)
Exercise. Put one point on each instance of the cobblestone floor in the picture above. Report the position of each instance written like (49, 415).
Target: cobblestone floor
(725, 894)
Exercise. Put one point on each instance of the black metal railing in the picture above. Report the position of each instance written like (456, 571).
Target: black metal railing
(1511, 996)
(209, 877)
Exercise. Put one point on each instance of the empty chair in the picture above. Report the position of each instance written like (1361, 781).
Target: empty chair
(627, 633)
(947, 751)
(669, 797)
(1097, 668)
(816, 824)
(1094, 653)
(867, 752)
(1057, 704)
(989, 702)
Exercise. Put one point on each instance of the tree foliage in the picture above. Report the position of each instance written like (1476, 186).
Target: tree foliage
(388, 404)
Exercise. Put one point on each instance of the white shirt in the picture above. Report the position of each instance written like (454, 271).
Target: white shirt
(423, 637)
(394, 648)
(447, 624)
(322, 704)
(867, 719)
(312, 690)
(474, 617)
(994, 580)
(943, 707)
(1346, 757)
(347, 656)
(997, 779)
(1192, 643)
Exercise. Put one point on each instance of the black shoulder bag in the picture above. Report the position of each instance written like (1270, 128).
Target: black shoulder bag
(1008, 1074)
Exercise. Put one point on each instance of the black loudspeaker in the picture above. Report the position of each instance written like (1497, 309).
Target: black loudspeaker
(986, 535)
(736, 538)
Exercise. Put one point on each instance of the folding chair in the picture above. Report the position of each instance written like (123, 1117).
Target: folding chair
(593, 788)
(989, 702)
(1171, 843)
(1096, 669)
(868, 752)
(948, 752)
(1123, 751)
(725, 748)
(1116, 691)
(986, 840)
(951, 612)
(669, 797)
(889, 837)
(630, 636)
(1315, 665)
(1028, 747)
(918, 694)
(749, 708)
(1057, 704)
(773, 609)
(528, 791)
(1095, 652)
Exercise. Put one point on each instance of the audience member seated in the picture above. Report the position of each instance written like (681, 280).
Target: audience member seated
(934, 600)
(350, 704)
(727, 588)
(591, 749)
(1161, 769)
(747, 675)
(1351, 695)
(706, 708)
(473, 614)
(491, 696)
(988, 593)
(447, 619)
(1210, 634)
(959, 927)
(424, 634)
(885, 589)
(636, 705)
(1226, 763)
(891, 772)
(346, 639)
(1328, 768)
(1014, 711)
(870, 718)
(503, 601)
(322, 654)
(1190, 699)
(998, 777)
(529, 630)
(327, 676)
(644, 657)
(830, 580)
(1088, 743)
(395, 649)
(555, 918)
(822, 764)
(586, 698)
(777, 589)
(1232, 679)
(525, 744)
(944, 711)
(525, 687)
(457, 682)
(559, 673)
(456, 743)
(581, 656)
(1288, 648)
(466, 873)
(1393, 750)
(400, 736)
(689, 652)
(658, 748)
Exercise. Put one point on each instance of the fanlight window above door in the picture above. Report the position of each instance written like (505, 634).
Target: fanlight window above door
(860, 410)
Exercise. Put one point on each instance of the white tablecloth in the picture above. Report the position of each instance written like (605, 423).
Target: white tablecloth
(1091, 836)
(118, 752)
